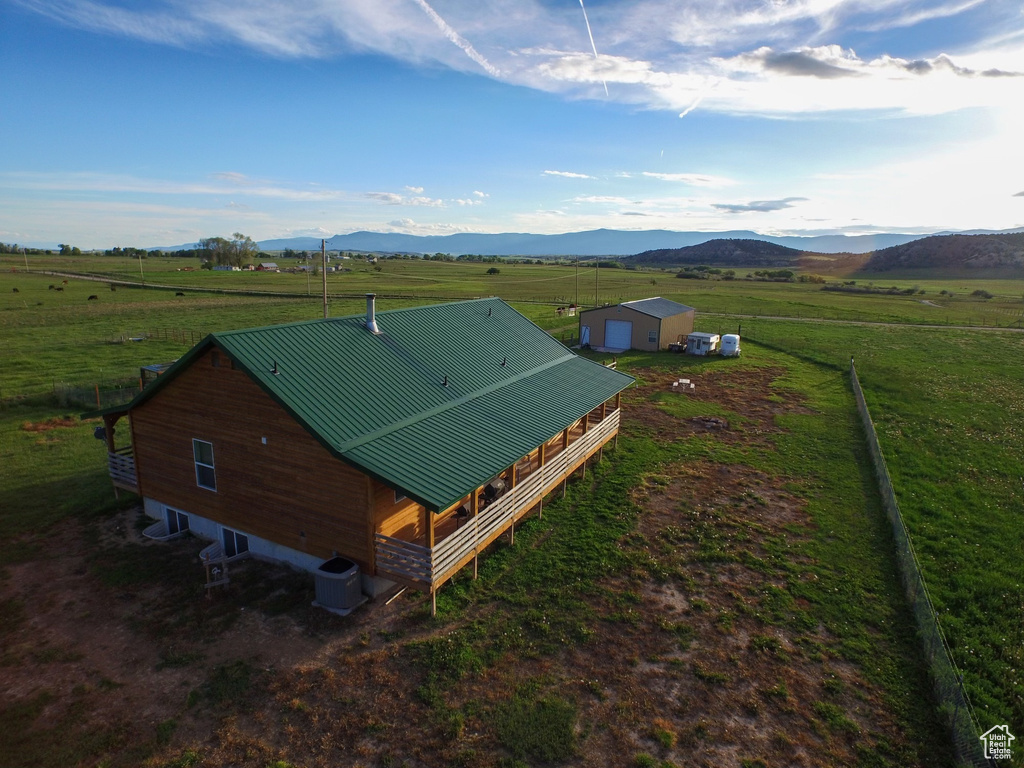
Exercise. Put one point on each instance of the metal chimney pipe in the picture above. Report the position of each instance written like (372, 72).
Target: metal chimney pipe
(371, 319)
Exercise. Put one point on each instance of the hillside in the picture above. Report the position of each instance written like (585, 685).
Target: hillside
(967, 253)
(721, 253)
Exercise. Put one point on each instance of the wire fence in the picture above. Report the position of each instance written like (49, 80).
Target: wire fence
(95, 395)
(954, 706)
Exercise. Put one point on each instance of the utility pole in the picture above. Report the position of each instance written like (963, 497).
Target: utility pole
(140, 270)
(577, 282)
(323, 256)
(597, 271)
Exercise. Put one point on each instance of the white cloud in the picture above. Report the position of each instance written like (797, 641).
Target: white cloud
(693, 179)
(412, 227)
(480, 194)
(391, 198)
(602, 199)
(222, 183)
(743, 56)
(415, 190)
(567, 174)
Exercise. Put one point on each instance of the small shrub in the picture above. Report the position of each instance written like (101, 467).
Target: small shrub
(835, 717)
(709, 677)
(228, 682)
(665, 737)
(164, 731)
(541, 729)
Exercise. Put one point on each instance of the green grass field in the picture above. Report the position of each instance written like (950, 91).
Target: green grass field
(948, 406)
(949, 410)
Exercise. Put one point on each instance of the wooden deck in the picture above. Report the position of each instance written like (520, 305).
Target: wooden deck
(457, 544)
(121, 464)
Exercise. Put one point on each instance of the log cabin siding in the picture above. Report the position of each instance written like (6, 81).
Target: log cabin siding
(291, 490)
(403, 519)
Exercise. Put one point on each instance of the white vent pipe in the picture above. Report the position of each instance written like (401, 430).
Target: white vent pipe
(371, 319)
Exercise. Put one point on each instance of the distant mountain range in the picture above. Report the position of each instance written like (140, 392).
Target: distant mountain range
(828, 254)
(598, 242)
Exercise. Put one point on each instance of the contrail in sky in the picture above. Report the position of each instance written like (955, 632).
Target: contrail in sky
(700, 97)
(459, 40)
(596, 58)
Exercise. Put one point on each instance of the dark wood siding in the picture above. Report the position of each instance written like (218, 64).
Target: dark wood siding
(290, 491)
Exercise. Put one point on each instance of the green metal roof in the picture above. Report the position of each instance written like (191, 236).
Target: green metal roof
(426, 405)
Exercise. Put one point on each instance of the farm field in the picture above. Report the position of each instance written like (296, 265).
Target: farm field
(739, 514)
(949, 410)
(552, 284)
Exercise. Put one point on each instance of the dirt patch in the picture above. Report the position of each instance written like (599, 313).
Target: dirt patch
(56, 422)
(750, 392)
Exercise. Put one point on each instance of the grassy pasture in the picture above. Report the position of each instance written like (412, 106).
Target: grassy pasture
(949, 409)
(553, 284)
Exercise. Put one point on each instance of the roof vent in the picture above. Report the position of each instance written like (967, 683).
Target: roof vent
(445, 382)
(489, 309)
(371, 319)
(504, 362)
(275, 371)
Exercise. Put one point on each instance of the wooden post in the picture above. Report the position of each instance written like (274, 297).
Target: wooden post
(565, 438)
(618, 398)
(604, 409)
(206, 562)
(541, 456)
(428, 527)
(474, 510)
(586, 422)
(323, 254)
(433, 603)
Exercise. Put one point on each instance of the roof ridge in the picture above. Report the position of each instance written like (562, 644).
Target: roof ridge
(415, 418)
(357, 315)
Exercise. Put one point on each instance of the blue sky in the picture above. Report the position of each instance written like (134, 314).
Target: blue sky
(156, 123)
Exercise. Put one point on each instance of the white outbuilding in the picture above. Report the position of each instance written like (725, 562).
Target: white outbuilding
(698, 343)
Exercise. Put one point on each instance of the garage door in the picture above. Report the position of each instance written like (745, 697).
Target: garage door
(618, 334)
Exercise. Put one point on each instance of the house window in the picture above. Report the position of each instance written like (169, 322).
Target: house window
(399, 496)
(652, 336)
(177, 522)
(235, 543)
(202, 452)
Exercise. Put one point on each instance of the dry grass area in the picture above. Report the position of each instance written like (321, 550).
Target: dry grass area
(694, 650)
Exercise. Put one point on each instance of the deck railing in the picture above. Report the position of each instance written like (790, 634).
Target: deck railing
(122, 469)
(429, 567)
